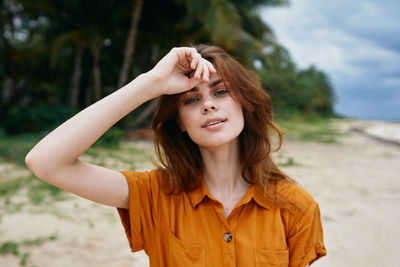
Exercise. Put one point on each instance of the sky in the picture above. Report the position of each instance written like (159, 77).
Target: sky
(356, 42)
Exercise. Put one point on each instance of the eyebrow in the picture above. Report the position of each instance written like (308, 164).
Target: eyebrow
(212, 84)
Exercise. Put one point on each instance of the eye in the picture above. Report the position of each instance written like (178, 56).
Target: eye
(220, 92)
(191, 100)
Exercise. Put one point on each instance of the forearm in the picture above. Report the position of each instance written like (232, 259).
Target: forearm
(64, 145)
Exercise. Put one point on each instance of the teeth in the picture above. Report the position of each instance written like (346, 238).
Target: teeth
(212, 123)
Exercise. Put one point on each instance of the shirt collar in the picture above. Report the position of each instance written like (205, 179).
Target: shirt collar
(260, 198)
(199, 193)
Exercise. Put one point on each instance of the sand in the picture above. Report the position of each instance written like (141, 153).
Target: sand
(356, 183)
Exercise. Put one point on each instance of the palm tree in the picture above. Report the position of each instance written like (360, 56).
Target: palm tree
(79, 39)
(234, 25)
(7, 17)
(96, 46)
(130, 42)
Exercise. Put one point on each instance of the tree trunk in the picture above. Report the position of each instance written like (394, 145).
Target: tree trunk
(8, 83)
(7, 90)
(75, 78)
(89, 96)
(96, 75)
(130, 42)
(144, 113)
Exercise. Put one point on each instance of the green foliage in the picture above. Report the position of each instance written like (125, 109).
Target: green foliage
(220, 20)
(307, 92)
(310, 129)
(9, 187)
(15, 247)
(39, 191)
(2, 131)
(14, 148)
(39, 240)
(11, 206)
(289, 162)
(24, 258)
(36, 118)
(111, 138)
(40, 53)
(9, 247)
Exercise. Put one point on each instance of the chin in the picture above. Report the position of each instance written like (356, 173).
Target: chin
(215, 142)
(216, 139)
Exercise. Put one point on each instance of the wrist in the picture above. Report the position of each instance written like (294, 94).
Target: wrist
(155, 82)
(146, 86)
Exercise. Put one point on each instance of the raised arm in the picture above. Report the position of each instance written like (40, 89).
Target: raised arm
(55, 159)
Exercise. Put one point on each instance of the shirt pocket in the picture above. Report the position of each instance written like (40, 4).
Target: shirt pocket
(279, 258)
(186, 254)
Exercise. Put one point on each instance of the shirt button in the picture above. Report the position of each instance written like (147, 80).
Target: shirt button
(228, 237)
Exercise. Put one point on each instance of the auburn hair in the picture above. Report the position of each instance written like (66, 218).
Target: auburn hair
(179, 157)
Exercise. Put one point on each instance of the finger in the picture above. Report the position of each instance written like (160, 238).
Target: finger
(193, 56)
(206, 73)
(199, 70)
(195, 61)
(210, 66)
(191, 51)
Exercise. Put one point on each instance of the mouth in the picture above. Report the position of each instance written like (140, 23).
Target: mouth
(213, 122)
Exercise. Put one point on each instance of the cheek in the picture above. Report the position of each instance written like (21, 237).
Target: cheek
(236, 109)
(185, 118)
(240, 120)
(238, 115)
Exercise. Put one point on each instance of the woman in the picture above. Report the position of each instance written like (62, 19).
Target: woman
(217, 198)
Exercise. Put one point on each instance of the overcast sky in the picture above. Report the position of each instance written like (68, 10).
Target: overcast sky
(357, 43)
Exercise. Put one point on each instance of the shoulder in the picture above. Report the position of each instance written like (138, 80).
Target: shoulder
(302, 224)
(143, 178)
(296, 196)
(301, 211)
(152, 174)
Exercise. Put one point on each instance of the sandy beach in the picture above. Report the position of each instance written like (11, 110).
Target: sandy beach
(355, 181)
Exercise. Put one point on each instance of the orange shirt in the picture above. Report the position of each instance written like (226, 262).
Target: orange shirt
(189, 229)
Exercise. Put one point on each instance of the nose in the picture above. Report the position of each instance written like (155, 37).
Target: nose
(209, 105)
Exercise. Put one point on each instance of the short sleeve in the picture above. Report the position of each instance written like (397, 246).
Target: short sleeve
(305, 240)
(140, 220)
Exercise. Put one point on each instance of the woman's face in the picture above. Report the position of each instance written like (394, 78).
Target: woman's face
(210, 115)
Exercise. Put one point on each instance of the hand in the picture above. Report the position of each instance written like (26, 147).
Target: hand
(172, 72)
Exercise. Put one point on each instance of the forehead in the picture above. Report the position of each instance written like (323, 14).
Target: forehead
(214, 81)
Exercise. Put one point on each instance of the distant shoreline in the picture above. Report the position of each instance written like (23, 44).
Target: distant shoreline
(384, 131)
(396, 121)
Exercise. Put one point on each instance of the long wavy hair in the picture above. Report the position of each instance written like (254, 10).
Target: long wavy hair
(179, 157)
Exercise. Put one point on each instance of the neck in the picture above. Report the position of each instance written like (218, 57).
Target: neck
(222, 170)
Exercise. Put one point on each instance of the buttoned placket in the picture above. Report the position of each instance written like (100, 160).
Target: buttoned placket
(228, 244)
(228, 231)
(227, 235)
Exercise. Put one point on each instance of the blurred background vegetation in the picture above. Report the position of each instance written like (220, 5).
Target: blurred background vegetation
(58, 56)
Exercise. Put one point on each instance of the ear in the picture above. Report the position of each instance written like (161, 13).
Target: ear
(180, 125)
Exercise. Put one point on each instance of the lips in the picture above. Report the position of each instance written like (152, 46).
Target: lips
(212, 122)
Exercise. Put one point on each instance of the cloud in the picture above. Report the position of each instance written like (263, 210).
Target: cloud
(375, 21)
(355, 42)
